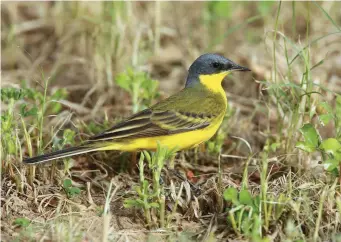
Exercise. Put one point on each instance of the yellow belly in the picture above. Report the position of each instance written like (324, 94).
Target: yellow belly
(181, 141)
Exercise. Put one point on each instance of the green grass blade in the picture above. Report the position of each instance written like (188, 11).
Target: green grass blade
(328, 16)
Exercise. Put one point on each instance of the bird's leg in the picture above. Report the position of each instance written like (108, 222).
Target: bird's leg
(169, 170)
(195, 188)
(172, 162)
(196, 149)
(133, 162)
(202, 147)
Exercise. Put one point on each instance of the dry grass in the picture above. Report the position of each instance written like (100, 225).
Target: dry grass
(83, 46)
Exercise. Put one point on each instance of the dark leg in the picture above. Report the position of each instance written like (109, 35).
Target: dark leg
(195, 188)
(133, 162)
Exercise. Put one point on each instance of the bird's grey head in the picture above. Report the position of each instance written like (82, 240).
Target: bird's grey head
(209, 64)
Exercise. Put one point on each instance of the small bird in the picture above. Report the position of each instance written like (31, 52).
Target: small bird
(182, 121)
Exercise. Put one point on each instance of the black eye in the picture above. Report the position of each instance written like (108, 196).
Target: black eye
(216, 65)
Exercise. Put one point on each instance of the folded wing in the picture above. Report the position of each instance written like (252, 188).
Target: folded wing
(149, 123)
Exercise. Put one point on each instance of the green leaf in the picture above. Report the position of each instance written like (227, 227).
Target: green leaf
(326, 107)
(245, 197)
(55, 107)
(332, 146)
(22, 222)
(327, 113)
(67, 183)
(147, 156)
(231, 194)
(124, 81)
(31, 112)
(246, 224)
(59, 94)
(330, 164)
(138, 190)
(68, 136)
(74, 191)
(154, 205)
(325, 118)
(256, 203)
(145, 185)
(305, 147)
(130, 203)
(311, 138)
(9, 93)
(274, 146)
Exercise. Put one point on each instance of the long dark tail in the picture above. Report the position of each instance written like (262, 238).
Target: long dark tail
(60, 154)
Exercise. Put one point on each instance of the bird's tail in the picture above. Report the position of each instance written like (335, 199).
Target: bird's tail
(60, 154)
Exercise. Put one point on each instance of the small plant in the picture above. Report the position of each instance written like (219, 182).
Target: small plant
(29, 103)
(142, 89)
(245, 211)
(27, 107)
(246, 215)
(10, 96)
(145, 196)
(151, 196)
(22, 222)
(70, 190)
(330, 148)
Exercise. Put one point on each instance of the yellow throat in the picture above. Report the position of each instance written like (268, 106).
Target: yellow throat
(213, 81)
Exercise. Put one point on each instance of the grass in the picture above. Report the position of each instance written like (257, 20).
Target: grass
(271, 173)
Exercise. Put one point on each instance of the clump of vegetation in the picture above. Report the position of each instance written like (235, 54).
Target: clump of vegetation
(330, 148)
(141, 88)
(69, 189)
(152, 196)
(27, 125)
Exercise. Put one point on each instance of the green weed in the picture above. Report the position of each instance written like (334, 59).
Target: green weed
(151, 196)
(25, 124)
(330, 148)
(22, 222)
(141, 88)
(70, 190)
(250, 215)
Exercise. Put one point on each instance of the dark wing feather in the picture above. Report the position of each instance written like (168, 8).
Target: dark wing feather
(149, 123)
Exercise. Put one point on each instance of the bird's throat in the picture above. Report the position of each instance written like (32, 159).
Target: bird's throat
(213, 81)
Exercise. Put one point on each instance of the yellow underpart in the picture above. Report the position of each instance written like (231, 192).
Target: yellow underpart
(181, 141)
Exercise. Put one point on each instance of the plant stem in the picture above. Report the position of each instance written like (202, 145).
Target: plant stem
(320, 211)
(162, 211)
